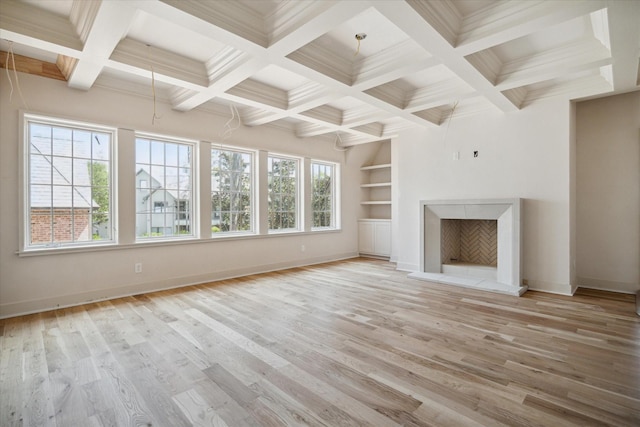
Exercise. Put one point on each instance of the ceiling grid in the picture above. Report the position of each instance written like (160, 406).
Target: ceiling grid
(298, 63)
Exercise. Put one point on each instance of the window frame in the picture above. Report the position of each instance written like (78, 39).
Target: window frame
(194, 213)
(25, 233)
(253, 202)
(335, 197)
(299, 211)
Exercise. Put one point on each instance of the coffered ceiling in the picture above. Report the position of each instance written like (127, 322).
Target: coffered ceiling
(299, 63)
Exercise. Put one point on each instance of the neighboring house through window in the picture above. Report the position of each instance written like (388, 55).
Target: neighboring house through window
(69, 190)
(283, 193)
(164, 188)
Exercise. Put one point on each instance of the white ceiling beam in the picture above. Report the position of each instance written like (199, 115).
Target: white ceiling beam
(624, 36)
(347, 90)
(101, 26)
(504, 21)
(296, 23)
(413, 24)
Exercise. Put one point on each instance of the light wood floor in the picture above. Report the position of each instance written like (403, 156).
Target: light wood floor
(342, 344)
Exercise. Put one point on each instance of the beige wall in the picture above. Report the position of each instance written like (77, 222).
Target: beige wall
(608, 193)
(525, 154)
(35, 283)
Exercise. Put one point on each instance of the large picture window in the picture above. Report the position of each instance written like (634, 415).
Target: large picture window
(69, 200)
(323, 194)
(164, 189)
(231, 191)
(283, 182)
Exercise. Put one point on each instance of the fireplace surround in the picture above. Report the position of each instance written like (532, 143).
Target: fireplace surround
(505, 277)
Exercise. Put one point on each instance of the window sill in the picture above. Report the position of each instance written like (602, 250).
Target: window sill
(151, 243)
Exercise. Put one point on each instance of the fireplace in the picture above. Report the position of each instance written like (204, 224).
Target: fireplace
(472, 243)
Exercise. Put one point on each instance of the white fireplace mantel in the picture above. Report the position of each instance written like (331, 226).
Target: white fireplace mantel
(505, 211)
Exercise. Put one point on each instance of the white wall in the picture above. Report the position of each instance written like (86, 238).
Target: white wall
(608, 193)
(525, 154)
(35, 283)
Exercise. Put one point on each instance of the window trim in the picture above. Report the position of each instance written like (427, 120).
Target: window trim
(253, 191)
(195, 195)
(24, 179)
(335, 195)
(299, 215)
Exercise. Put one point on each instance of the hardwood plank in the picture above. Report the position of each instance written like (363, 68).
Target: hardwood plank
(347, 343)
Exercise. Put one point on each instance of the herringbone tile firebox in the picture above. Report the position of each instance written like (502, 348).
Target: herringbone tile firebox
(470, 241)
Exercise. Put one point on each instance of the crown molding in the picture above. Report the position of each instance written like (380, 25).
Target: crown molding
(487, 63)
(225, 61)
(503, 21)
(324, 61)
(83, 15)
(232, 16)
(568, 59)
(361, 116)
(438, 93)
(325, 114)
(390, 64)
(432, 115)
(288, 16)
(389, 93)
(516, 95)
(373, 129)
(180, 69)
(33, 26)
(574, 88)
(260, 94)
(442, 15)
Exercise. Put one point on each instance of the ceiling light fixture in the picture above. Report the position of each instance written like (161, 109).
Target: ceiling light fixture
(359, 38)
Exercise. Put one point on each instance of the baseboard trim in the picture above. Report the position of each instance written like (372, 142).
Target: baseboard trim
(404, 266)
(550, 287)
(71, 300)
(608, 285)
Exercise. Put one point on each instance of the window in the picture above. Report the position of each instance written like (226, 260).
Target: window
(164, 191)
(323, 195)
(69, 168)
(231, 191)
(282, 175)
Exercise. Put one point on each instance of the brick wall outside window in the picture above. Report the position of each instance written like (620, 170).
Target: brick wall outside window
(68, 225)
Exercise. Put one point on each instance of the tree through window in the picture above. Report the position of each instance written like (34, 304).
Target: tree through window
(231, 191)
(283, 185)
(323, 194)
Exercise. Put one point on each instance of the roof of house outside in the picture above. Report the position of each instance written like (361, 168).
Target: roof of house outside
(59, 181)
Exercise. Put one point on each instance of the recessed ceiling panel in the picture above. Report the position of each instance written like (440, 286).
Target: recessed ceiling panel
(163, 34)
(550, 38)
(279, 78)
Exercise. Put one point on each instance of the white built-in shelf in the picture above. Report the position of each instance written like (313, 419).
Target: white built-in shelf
(376, 202)
(376, 184)
(367, 168)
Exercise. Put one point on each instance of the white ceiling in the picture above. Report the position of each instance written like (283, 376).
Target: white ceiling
(295, 62)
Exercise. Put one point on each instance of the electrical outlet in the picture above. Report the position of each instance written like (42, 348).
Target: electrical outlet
(303, 248)
(138, 267)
